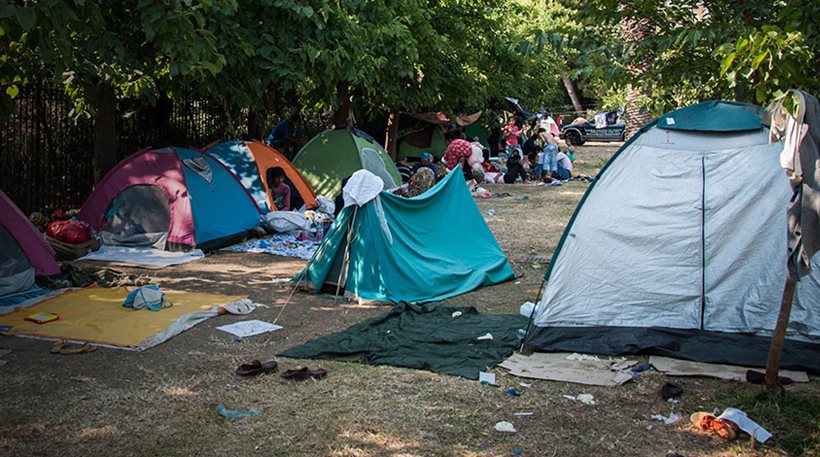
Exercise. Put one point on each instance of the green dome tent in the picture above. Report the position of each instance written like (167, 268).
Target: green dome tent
(333, 155)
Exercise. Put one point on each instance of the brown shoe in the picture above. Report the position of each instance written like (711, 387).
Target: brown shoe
(256, 367)
(304, 373)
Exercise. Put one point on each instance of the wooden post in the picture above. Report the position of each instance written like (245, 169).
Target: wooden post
(391, 139)
(779, 336)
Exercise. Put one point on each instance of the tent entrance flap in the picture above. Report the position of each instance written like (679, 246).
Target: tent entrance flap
(337, 274)
(138, 216)
(16, 272)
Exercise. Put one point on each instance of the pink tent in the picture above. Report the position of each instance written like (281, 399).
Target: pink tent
(38, 252)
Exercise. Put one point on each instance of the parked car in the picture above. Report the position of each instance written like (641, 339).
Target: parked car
(586, 131)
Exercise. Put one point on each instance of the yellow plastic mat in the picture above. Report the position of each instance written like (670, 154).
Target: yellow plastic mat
(96, 315)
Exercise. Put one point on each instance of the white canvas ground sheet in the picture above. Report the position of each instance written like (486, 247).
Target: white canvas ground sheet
(147, 257)
(634, 254)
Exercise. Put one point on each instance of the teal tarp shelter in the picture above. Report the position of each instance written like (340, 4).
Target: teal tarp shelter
(438, 246)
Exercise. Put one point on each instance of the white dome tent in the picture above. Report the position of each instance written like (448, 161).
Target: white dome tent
(679, 248)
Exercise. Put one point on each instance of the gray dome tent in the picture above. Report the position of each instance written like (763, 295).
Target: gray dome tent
(679, 248)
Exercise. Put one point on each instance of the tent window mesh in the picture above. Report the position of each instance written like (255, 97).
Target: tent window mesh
(12, 258)
(372, 162)
(138, 216)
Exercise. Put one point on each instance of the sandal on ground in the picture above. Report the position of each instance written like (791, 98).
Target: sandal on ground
(304, 373)
(256, 367)
(709, 423)
(61, 347)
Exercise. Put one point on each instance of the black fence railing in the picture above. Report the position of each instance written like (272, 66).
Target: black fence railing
(46, 152)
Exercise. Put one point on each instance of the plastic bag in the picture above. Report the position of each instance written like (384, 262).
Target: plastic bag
(72, 232)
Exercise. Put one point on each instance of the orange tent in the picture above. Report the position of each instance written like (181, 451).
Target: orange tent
(250, 162)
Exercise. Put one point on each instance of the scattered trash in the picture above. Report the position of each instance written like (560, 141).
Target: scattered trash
(650, 427)
(457, 313)
(707, 422)
(526, 308)
(536, 266)
(673, 454)
(523, 414)
(504, 426)
(586, 399)
(517, 283)
(491, 212)
(245, 329)
(235, 413)
(488, 336)
(622, 364)
(670, 391)
(517, 451)
(672, 401)
(580, 357)
(522, 197)
(667, 420)
(640, 369)
(749, 426)
(524, 384)
(513, 392)
(486, 378)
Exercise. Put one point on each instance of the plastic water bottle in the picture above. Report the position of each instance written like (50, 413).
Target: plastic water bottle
(491, 212)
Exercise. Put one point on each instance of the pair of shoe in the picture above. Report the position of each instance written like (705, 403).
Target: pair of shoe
(256, 367)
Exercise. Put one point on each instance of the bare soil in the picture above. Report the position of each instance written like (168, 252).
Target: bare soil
(162, 402)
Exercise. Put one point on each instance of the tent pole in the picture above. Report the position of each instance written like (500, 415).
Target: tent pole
(346, 254)
(779, 336)
(532, 313)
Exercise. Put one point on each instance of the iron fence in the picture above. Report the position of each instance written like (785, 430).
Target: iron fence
(46, 152)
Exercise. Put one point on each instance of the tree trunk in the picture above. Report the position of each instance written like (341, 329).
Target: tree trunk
(105, 130)
(255, 128)
(342, 114)
(573, 95)
(391, 140)
(779, 336)
(635, 29)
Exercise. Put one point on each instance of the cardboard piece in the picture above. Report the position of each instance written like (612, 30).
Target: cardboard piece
(676, 367)
(557, 367)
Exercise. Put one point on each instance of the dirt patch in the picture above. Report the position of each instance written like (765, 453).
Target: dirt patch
(162, 401)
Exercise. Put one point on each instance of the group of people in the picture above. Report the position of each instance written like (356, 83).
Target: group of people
(536, 157)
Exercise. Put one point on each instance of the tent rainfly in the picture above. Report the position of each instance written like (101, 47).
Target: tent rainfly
(333, 155)
(421, 249)
(678, 248)
(172, 198)
(24, 254)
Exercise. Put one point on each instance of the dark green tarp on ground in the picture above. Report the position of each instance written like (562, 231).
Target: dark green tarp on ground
(425, 337)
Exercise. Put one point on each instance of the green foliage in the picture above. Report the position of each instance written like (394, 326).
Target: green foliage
(413, 54)
(748, 51)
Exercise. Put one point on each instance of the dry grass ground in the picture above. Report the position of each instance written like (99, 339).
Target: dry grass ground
(162, 402)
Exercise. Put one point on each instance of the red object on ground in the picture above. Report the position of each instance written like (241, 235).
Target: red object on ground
(73, 232)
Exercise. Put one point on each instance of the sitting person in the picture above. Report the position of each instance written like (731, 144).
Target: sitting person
(426, 161)
(514, 168)
(420, 182)
(279, 191)
(404, 169)
(563, 167)
(570, 149)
